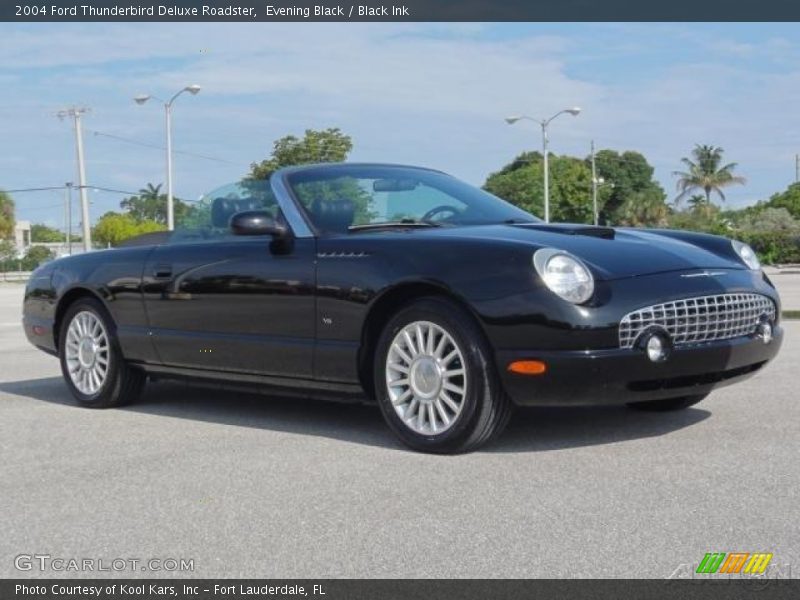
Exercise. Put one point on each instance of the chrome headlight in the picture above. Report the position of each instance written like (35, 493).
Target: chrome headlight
(747, 255)
(564, 274)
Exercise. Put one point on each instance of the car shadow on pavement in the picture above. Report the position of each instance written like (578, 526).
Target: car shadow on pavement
(530, 430)
(557, 428)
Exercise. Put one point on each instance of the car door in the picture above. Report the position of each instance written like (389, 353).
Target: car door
(216, 301)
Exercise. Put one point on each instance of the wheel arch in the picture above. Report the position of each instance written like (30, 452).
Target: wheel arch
(385, 306)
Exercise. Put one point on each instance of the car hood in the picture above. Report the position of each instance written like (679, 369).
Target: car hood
(613, 253)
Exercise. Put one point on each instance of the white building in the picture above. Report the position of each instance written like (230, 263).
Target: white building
(22, 236)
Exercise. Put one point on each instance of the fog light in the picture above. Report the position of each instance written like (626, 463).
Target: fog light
(655, 343)
(764, 331)
(656, 349)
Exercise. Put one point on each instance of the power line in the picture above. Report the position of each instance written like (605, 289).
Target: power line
(157, 147)
(61, 187)
(41, 189)
(49, 206)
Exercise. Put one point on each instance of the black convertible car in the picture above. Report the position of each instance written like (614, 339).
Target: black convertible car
(406, 287)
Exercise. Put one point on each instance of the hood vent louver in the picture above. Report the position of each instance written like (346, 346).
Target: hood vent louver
(606, 233)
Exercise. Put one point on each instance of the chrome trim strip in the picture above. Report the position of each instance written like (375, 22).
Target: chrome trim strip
(288, 206)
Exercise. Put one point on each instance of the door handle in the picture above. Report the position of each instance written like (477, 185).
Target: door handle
(162, 271)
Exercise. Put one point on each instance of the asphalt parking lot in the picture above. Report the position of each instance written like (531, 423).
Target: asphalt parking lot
(262, 487)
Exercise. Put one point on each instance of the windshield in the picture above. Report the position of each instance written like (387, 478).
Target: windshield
(343, 198)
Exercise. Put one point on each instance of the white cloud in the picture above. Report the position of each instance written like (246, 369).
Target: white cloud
(420, 93)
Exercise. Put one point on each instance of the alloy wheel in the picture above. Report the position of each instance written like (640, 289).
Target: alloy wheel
(87, 352)
(426, 377)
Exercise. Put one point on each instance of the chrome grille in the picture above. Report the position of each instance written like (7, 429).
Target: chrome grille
(701, 319)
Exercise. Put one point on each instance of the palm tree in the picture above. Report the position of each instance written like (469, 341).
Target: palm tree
(151, 192)
(643, 210)
(699, 204)
(705, 173)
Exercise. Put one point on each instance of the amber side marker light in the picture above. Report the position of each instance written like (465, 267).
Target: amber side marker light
(528, 367)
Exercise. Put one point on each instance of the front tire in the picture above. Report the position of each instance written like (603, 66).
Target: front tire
(668, 404)
(91, 361)
(435, 381)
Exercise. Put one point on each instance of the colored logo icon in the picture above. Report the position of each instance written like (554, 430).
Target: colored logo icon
(735, 562)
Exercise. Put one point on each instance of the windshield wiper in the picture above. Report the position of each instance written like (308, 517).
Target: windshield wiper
(515, 221)
(392, 224)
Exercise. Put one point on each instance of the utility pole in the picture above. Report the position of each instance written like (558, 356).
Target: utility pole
(594, 189)
(76, 113)
(797, 168)
(68, 199)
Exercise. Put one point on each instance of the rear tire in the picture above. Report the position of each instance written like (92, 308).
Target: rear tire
(435, 381)
(91, 361)
(669, 404)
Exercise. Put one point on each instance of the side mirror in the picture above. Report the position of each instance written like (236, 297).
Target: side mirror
(256, 222)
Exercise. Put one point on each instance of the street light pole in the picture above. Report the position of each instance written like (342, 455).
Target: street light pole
(192, 89)
(594, 189)
(575, 111)
(76, 113)
(170, 201)
(546, 167)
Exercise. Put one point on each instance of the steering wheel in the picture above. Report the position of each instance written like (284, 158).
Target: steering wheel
(442, 208)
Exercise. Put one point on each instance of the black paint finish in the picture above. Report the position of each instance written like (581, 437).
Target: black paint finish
(304, 315)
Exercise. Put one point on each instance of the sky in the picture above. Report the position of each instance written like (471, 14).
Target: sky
(431, 94)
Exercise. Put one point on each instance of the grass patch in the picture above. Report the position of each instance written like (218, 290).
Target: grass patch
(791, 314)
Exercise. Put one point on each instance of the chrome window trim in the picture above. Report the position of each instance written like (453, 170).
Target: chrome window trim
(288, 206)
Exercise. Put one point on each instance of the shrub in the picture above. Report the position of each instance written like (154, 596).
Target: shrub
(773, 247)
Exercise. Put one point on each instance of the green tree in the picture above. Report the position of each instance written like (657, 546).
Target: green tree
(41, 233)
(626, 174)
(151, 205)
(705, 217)
(705, 172)
(770, 220)
(643, 209)
(316, 146)
(6, 216)
(788, 199)
(113, 228)
(699, 205)
(521, 183)
(8, 251)
(35, 256)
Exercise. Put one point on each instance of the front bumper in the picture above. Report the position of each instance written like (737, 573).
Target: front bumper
(618, 376)
(39, 331)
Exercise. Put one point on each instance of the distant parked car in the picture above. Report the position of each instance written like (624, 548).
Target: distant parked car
(406, 287)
